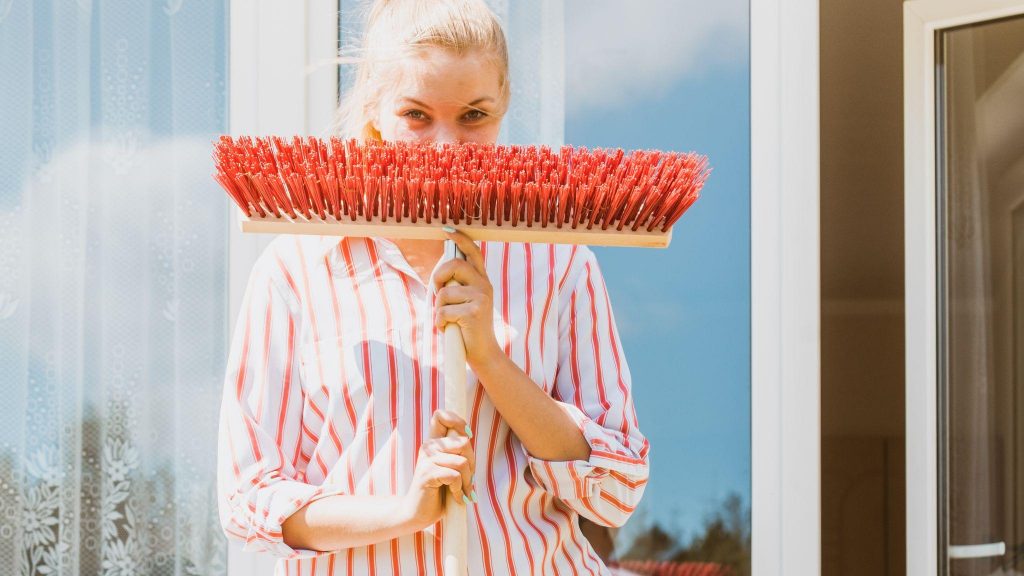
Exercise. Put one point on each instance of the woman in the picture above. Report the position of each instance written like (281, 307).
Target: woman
(333, 448)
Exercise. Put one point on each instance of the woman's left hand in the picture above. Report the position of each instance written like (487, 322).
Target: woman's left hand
(468, 305)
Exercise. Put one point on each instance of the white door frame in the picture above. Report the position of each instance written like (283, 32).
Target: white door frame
(274, 89)
(921, 20)
(785, 288)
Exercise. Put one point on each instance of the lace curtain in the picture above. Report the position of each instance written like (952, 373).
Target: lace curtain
(113, 305)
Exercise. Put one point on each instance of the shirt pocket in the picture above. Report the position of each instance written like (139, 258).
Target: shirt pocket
(328, 380)
(360, 379)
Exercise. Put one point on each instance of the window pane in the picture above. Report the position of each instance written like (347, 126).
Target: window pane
(675, 76)
(981, 88)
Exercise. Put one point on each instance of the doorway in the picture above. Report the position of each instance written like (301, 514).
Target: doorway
(964, 193)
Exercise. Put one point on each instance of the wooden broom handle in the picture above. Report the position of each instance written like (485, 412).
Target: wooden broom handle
(456, 536)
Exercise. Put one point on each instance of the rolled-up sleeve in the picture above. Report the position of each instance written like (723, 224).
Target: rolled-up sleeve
(593, 386)
(259, 469)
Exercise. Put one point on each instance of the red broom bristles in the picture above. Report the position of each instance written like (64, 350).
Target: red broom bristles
(490, 184)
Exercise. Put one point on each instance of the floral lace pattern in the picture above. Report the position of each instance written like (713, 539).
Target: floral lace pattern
(113, 273)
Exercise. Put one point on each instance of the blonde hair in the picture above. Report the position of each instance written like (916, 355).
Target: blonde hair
(396, 29)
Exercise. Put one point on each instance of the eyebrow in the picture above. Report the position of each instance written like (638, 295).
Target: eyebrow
(473, 103)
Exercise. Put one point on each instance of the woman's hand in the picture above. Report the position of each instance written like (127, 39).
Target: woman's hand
(443, 465)
(468, 305)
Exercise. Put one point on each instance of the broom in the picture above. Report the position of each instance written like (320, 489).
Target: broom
(508, 193)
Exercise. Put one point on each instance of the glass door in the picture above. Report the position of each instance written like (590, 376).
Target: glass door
(979, 97)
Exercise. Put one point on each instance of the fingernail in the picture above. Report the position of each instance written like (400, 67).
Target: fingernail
(468, 431)
(464, 499)
(473, 494)
(448, 229)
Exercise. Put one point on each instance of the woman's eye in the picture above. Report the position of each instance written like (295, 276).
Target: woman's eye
(475, 115)
(415, 115)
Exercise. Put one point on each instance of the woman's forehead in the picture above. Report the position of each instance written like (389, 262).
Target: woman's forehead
(440, 76)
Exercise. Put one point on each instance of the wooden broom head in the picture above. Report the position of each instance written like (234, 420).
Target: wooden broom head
(508, 193)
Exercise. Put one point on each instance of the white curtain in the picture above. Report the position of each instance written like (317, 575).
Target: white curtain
(113, 307)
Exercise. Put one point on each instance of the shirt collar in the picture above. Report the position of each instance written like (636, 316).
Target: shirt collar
(386, 249)
(328, 244)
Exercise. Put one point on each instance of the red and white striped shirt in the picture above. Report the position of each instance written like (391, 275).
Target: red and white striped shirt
(336, 367)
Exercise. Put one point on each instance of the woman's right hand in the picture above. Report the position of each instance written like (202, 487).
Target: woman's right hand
(444, 464)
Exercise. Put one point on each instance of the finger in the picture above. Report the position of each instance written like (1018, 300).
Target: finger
(463, 446)
(462, 272)
(460, 464)
(470, 249)
(439, 475)
(450, 295)
(454, 312)
(465, 449)
(460, 445)
(456, 295)
(453, 443)
(443, 420)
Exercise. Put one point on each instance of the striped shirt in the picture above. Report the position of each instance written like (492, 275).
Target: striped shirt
(336, 367)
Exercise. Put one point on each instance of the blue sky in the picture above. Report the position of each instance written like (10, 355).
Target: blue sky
(675, 76)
